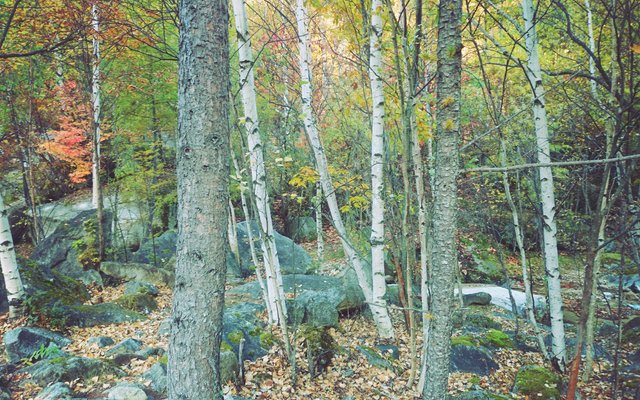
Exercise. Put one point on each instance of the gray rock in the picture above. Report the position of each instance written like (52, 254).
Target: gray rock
(127, 391)
(157, 251)
(293, 258)
(99, 314)
(135, 287)
(483, 271)
(68, 369)
(607, 328)
(318, 309)
(500, 297)
(150, 351)
(476, 299)
(301, 229)
(240, 322)
(229, 367)
(165, 327)
(138, 272)
(56, 391)
(57, 251)
(480, 395)
(21, 343)
(157, 375)
(629, 282)
(473, 359)
(124, 347)
(100, 341)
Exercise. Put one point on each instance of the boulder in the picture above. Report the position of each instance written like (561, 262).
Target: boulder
(483, 270)
(473, 359)
(474, 322)
(99, 314)
(57, 391)
(157, 376)
(138, 272)
(378, 359)
(100, 341)
(301, 229)
(229, 367)
(538, 383)
(293, 258)
(240, 322)
(500, 297)
(135, 287)
(140, 302)
(631, 330)
(67, 369)
(476, 299)
(315, 308)
(21, 343)
(127, 391)
(126, 346)
(629, 282)
(61, 250)
(157, 251)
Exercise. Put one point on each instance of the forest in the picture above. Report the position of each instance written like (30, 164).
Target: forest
(323, 199)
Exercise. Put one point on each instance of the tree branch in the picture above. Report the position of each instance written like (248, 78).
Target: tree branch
(552, 164)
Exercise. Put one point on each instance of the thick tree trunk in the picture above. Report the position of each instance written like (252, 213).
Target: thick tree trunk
(385, 329)
(444, 252)
(311, 129)
(547, 197)
(12, 281)
(258, 173)
(97, 105)
(203, 195)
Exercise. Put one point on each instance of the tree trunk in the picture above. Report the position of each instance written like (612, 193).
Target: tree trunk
(311, 129)
(319, 231)
(385, 329)
(547, 197)
(12, 281)
(203, 195)
(96, 103)
(258, 174)
(444, 252)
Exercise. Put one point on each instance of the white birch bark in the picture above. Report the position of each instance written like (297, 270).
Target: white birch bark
(319, 231)
(377, 171)
(256, 161)
(550, 246)
(12, 281)
(252, 246)
(232, 233)
(592, 47)
(95, 96)
(321, 163)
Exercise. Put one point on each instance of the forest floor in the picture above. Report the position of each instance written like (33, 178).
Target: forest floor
(270, 377)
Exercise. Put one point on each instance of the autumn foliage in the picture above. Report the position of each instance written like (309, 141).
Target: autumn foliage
(69, 141)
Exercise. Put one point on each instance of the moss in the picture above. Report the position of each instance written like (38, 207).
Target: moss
(466, 340)
(235, 336)
(164, 360)
(497, 338)
(320, 347)
(224, 346)
(267, 339)
(537, 382)
(139, 302)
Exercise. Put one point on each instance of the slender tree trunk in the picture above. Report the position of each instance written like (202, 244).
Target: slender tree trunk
(385, 329)
(10, 272)
(232, 233)
(379, 314)
(252, 246)
(592, 47)
(444, 253)
(258, 172)
(96, 103)
(319, 231)
(545, 177)
(203, 196)
(517, 231)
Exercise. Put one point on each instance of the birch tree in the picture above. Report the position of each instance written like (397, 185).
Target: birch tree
(10, 272)
(444, 254)
(96, 105)
(380, 314)
(547, 197)
(258, 175)
(377, 169)
(203, 195)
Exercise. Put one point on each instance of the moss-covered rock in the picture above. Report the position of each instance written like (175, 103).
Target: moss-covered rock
(631, 330)
(99, 314)
(139, 302)
(466, 340)
(497, 338)
(229, 367)
(480, 395)
(537, 382)
(474, 320)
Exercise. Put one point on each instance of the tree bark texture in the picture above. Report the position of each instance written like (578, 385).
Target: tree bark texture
(97, 107)
(203, 181)
(10, 273)
(547, 197)
(378, 303)
(444, 254)
(256, 162)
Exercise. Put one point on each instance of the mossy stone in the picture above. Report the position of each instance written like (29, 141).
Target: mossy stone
(139, 302)
(537, 382)
(498, 339)
(466, 340)
(235, 337)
